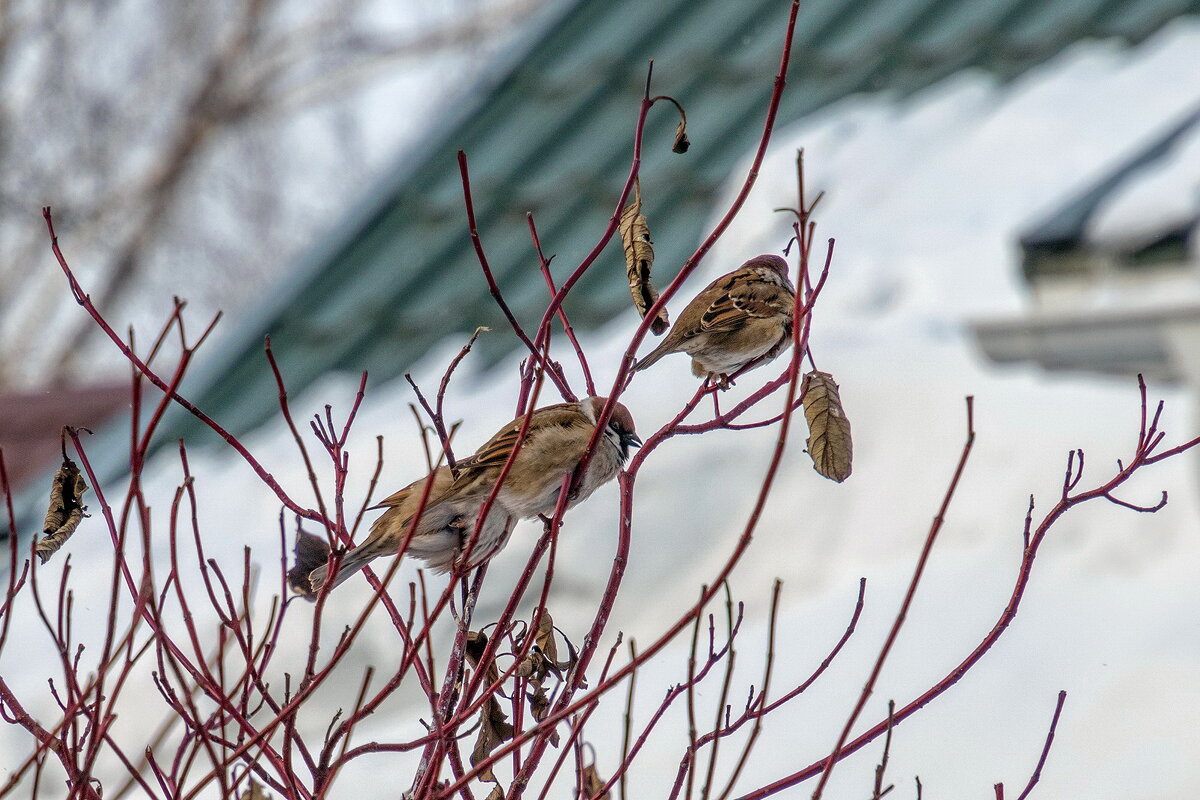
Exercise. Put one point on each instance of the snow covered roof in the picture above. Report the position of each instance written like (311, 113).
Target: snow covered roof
(1098, 307)
(1149, 199)
(550, 133)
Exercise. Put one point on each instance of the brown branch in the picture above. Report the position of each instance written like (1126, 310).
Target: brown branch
(1037, 771)
(902, 614)
(1148, 440)
(544, 265)
(756, 729)
(84, 300)
(534, 347)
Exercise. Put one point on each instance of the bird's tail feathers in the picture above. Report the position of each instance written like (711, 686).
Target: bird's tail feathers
(355, 560)
(663, 349)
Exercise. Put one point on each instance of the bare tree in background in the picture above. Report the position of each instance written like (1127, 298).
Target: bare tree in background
(195, 148)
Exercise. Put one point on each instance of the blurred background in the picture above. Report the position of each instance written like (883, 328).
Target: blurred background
(1014, 189)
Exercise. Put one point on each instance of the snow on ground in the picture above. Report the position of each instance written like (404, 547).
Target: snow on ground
(925, 198)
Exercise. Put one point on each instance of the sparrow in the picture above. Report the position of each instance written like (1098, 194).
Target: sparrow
(554, 444)
(741, 317)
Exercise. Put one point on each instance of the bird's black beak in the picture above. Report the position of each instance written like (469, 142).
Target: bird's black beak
(630, 439)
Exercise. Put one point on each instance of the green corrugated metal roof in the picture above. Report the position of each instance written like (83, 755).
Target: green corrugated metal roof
(552, 133)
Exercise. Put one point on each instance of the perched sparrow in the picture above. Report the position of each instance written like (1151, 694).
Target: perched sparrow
(446, 523)
(554, 443)
(740, 317)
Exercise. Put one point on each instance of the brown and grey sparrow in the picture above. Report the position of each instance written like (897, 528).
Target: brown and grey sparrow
(554, 443)
(739, 318)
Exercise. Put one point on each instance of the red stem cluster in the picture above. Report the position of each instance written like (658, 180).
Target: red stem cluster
(233, 714)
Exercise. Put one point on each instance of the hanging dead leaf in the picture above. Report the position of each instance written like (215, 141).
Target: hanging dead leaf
(497, 793)
(829, 444)
(543, 656)
(477, 642)
(639, 257)
(539, 708)
(65, 511)
(255, 792)
(593, 783)
(681, 143)
(538, 664)
(544, 639)
(311, 552)
(494, 729)
(493, 722)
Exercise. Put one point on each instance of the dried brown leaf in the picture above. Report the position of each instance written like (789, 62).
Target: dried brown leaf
(477, 642)
(497, 793)
(493, 722)
(65, 511)
(254, 792)
(639, 258)
(534, 666)
(593, 783)
(681, 143)
(544, 639)
(543, 656)
(539, 708)
(494, 730)
(311, 552)
(829, 442)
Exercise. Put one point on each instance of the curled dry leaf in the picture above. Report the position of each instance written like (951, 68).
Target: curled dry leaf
(593, 783)
(541, 662)
(497, 793)
(829, 442)
(493, 722)
(543, 656)
(545, 647)
(255, 792)
(639, 257)
(477, 642)
(311, 552)
(65, 511)
(494, 729)
(539, 708)
(681, 143)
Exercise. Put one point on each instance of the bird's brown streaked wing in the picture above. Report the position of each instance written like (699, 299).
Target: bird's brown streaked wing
(494, 453)
(439, 488)
(691, 319)
(393, 500)
(752, 300)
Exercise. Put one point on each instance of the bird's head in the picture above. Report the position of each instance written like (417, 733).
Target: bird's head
(771, 262)
(620, 425)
